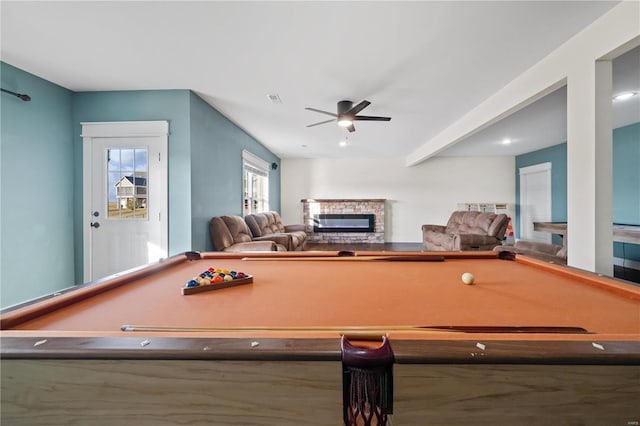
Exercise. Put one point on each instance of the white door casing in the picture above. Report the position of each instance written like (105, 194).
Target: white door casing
(116, 235)
(535, 201)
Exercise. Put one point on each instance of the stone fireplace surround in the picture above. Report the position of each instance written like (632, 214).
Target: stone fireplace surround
(312, 206)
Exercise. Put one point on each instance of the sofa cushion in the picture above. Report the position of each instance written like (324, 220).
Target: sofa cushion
(258, 224)
(275, 222)
(269, 225)
(262, 224)
(220, 235)
(238, 229)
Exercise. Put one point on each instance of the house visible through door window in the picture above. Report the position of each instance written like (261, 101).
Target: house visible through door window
(255, 184)
(127, 183)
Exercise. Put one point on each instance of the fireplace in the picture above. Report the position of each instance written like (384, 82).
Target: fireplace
(324, 220)
(343, 223)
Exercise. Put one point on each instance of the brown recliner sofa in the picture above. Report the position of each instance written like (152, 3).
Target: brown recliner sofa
(466, 230)
(269, 225)
(231, 234)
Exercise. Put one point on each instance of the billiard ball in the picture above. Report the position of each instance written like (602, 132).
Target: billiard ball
(468, 278)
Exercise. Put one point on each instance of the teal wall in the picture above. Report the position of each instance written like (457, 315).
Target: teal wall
(626, 183)
(626, 175)
(557, 156)
(41, 175)
(36, 177)
(216, 169)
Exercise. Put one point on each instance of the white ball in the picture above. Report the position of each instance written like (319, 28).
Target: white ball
(468, 278)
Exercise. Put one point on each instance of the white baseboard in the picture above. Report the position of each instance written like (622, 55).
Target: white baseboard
(632, 264)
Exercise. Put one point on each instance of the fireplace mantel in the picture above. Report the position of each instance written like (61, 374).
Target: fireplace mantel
(313, 206)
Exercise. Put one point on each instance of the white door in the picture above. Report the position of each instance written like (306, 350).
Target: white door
(125, 196)
(535, 201)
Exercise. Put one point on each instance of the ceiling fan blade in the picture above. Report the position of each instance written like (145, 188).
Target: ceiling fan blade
(351, 128)
(356, 109)
(371, 118)
(322, 122)
(322, 112)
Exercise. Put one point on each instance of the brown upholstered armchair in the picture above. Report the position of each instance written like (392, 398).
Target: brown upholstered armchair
(231, 233)
(466, 231)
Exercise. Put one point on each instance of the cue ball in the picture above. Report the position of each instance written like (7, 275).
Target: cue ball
(468, 278)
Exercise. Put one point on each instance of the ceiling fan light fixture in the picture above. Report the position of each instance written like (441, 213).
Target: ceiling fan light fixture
(345, 121)
(347, 114)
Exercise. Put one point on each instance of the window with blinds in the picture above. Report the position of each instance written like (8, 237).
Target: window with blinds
(255, 184)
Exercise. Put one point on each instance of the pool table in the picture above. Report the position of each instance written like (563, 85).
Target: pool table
(528, 342)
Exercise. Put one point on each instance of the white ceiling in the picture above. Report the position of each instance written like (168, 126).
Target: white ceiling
(544, 123)
(424, 63)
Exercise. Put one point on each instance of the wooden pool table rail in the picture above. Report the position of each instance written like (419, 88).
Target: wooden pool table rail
(480, 350)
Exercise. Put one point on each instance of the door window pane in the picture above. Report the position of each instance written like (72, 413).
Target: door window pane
(127, 160)
(127, 181)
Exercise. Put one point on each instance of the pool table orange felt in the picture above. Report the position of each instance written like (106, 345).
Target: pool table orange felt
(305, 290)
(72, 343)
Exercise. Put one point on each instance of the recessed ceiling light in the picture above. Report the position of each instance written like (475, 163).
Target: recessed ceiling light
(624, 96)
(506, 141)
(343, 143)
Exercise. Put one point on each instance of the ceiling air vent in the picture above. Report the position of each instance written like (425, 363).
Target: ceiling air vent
(274, 99)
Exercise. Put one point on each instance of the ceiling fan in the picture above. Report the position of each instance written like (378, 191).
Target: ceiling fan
(347, 114)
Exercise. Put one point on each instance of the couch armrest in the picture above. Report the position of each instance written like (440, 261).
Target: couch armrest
(252, 246)
(434, 228)
(294, 228)
(438, 241)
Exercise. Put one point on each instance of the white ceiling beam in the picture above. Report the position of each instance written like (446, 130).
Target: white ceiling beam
(615, 30)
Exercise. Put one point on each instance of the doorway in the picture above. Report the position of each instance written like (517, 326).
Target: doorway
(535, 201)
(125, 193)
